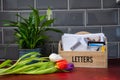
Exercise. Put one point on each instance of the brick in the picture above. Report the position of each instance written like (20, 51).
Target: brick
(69, 18)
(102, 17)
(54, 4)
(85, 4)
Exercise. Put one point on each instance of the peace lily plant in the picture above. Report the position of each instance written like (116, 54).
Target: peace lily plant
(30, 32)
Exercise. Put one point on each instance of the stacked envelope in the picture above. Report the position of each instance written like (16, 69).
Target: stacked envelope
(83, 42)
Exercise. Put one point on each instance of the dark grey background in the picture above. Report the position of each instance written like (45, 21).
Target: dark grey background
(71, 16)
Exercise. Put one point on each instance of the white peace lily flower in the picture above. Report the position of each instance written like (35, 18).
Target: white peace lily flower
(49, 13)
(55, 57)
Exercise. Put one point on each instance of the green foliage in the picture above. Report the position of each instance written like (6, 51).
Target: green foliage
(31, 30)
(24, 66)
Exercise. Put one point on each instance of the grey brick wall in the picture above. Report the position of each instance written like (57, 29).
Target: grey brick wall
(71, 16)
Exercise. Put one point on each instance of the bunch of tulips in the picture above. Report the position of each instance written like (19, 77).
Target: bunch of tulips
(30, 63)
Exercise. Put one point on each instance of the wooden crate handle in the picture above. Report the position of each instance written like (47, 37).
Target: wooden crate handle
(83, 32)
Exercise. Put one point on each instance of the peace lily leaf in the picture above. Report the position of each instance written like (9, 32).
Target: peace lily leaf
(53, 29)
(47, 23)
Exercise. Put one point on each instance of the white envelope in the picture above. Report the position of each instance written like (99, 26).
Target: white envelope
(75, 42)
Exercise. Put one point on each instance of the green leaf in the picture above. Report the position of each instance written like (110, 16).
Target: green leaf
(36, 17)
(10, 23)
(53, 29)
(26, 20)
(6, 63)
(47, 23)
(42, 18)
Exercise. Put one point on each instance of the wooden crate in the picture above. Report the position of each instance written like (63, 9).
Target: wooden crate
(91, 59)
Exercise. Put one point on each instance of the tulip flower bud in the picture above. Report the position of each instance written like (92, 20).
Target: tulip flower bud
(55, 57)
(62, 64)
(70, 67)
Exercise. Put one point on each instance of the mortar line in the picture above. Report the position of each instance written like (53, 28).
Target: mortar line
(1, 5)
(101, 29)
(118, 16)
(2, 36)
(52, 46)
(118, 49)
(19, 17)
(69, 29)
(85, 18)
(68, 5)
(102, 4)
(35, 5)
(59, 10)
